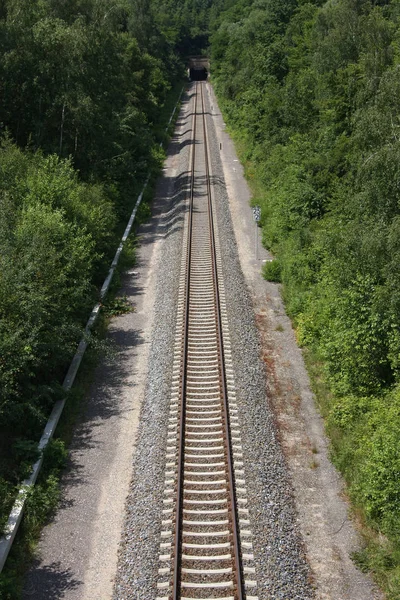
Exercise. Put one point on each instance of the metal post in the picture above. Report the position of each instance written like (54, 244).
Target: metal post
(256, 217)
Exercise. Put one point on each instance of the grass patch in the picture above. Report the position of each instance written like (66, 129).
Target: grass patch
(119, 305)
(381, 558)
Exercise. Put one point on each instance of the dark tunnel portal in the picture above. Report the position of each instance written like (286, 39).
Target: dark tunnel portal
(198, 74)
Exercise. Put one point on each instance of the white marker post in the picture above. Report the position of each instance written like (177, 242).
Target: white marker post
(256, 217)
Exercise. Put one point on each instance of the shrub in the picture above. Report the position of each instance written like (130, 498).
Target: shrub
(272, 271)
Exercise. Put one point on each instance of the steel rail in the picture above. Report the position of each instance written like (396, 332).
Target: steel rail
(238, 580)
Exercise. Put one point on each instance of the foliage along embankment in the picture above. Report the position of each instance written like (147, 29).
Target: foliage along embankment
(82, 107)
(311, 91)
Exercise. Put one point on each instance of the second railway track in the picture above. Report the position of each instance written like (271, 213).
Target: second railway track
(206, 548)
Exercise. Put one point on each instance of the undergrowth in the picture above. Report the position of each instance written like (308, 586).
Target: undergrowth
(44, 498)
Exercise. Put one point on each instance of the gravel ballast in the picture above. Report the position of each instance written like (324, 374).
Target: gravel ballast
(282, 570)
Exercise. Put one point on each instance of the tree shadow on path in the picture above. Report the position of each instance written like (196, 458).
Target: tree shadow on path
(50, 582)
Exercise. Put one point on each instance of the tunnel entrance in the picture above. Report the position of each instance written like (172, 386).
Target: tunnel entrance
(198, 74)
(198, 68)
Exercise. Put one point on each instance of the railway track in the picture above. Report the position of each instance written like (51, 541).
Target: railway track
(206, 548)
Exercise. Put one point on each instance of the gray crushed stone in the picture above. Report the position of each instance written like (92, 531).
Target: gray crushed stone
(282, 570)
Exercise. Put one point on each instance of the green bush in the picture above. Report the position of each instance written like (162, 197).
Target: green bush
(272, 271)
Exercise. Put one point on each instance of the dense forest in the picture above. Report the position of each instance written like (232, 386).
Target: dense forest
(311, 91)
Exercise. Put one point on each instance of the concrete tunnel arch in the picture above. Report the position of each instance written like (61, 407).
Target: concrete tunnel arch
(198, 68)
